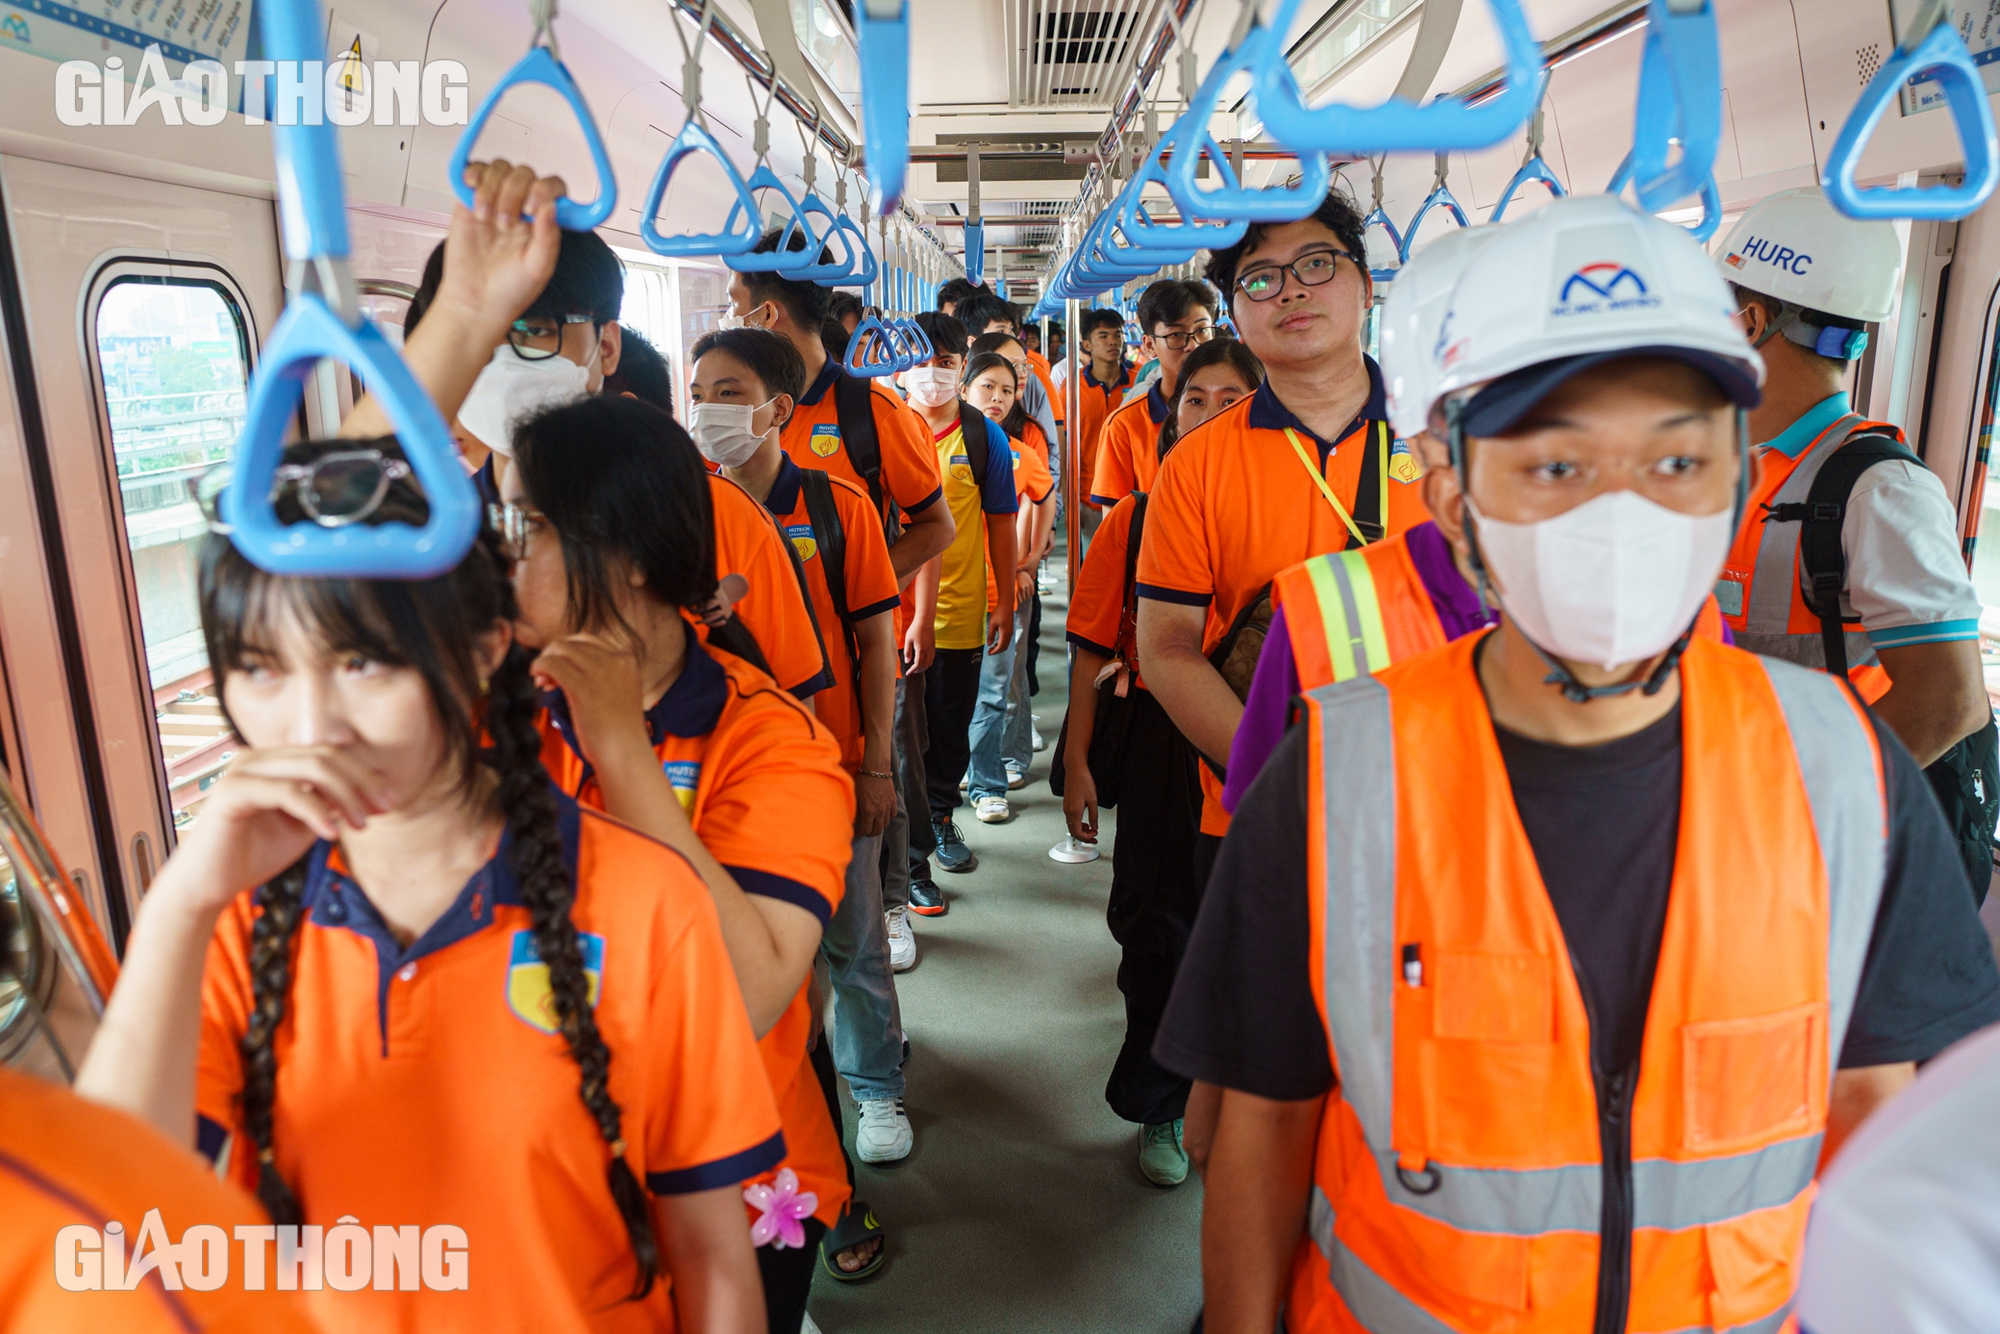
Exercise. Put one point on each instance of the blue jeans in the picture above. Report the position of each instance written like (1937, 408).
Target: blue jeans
(867, 1026)
(986, 775)
(1017, 740)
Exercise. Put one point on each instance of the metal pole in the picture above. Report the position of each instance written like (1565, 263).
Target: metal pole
(1072, 444)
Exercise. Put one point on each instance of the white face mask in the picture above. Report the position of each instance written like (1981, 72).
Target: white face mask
(1613, 581)
(723, 434)
(511, 388)
(742, 321)
(932, 386)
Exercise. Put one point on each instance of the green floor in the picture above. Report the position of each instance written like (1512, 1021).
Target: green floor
(1022, 1208)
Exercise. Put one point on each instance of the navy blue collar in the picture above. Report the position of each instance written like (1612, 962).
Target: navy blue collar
(1268, 413)
(1124, 377)
(1156, 404)
(783, 497)
(820, 384)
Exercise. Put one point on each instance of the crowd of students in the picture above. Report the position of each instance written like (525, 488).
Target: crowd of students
(1502, 947)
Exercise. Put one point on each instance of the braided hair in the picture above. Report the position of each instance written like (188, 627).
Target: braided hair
(432, 626)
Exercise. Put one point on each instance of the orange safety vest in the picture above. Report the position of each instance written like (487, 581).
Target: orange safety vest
(1354, 612)
(1459, 1182)
(1764, 563)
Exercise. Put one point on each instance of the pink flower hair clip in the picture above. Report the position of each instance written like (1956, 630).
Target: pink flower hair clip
(784, 1209)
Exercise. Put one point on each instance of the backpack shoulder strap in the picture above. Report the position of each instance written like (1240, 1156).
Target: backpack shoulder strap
(854, 407)
(1133, 537)
(816, 488)
(1368, 510)
(1820, 518)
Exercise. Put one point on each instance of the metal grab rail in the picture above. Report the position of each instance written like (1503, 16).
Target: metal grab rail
(324, 319)
(1939, 54)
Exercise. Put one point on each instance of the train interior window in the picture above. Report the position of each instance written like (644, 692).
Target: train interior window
(174, 359)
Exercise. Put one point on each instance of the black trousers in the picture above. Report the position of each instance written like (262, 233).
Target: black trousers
(788, 1278)
(1155, 891)
(951, 693)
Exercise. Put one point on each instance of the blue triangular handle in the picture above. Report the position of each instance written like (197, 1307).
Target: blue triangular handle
(868, 351)
(692, 139)
(1397, 125)
(1141, 230)
(920, 342)
(883, 48)
(1940, 55)
(1680, 101)
(867, 267)
(1438, 198)
(975, 251)
(1534, 169)
(1271, 204)
(834, 271)
(541, 66)
(1380, 218)
(307, 332)
(1711, 200)
(785, 259)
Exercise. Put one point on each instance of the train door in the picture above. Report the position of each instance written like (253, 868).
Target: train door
(143, 302)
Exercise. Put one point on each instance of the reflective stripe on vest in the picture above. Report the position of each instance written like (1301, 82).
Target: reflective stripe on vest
(1349, 613)
(1355, 837)
(1344, 590)
(1764, 619)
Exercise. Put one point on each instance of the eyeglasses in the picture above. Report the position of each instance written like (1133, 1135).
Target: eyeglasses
(1180, 340)
(334, 490)
(1313, 270)
(540, 338)
(515, 524)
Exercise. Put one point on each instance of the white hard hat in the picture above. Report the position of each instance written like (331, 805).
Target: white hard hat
(1584, 281)
(1410, 318)
(1797, 247)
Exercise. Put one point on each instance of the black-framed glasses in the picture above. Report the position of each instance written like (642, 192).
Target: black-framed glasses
(1312, 270)
(540, 337)
(1179, 340)
(334, 490)
(516, 525)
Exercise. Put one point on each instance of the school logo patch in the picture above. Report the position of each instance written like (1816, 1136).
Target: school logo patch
(961, 467)
(528, 992)
(803, 540)
(685, 775)
(826, 439)
(1403, 464)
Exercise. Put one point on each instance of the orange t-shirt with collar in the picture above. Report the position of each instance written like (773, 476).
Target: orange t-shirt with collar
(68, 1162)
(1099, 619)
(762, 783)
(1095, 402)
(1040, 365)
(747, 542)
(426, 1084)
(812, 439)
(871, 591)
(1128, 448)
(1233, 506)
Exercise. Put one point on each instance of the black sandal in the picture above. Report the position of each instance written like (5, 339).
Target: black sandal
(857, 1227)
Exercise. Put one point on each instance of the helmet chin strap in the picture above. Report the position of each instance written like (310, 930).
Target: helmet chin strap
(1560, 675)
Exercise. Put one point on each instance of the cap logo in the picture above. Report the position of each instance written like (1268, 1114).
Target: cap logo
(1603, 288)
(1766, 251)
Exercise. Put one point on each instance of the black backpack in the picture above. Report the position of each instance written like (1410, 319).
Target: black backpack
(1965, 778)
(854, 408)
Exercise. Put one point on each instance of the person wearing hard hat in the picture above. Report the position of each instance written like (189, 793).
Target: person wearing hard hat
(1540, 969)
(1857, 566)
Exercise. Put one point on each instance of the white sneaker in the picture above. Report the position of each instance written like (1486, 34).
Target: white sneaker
(807, 1326)
(992, 810)
(1016, 778)
(902, 940)
(884, 1134)
(1041, 742)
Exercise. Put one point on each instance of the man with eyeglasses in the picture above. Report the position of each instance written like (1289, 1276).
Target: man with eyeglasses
(1177, 316)
(1304, 466)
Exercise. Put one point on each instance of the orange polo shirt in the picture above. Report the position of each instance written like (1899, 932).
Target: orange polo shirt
(747, 542)
(425, 1085)
(1128, 448)
(67, 1162)
(812, 439)
(1095, 403)
(871, 591)
(763, 786)
(1232, 506)
(1040, 365)
(1098, 618)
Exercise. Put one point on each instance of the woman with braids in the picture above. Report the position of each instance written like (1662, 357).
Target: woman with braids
(394, 975)
(610, 531)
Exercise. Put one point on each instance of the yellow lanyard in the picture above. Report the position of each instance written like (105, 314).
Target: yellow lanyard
(1319, 480)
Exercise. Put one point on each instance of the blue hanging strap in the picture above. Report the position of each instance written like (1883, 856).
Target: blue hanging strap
(861, 264)
(786, 258)
(1256, 47)
(1711, 200)
(1379, 217)
(1931, 54)
(882, 40)
(323, 319)
(807, 264)
(975, 251)
(868, 351)
(1680, 102)
(1402, 123)
(543, 65)
(695, 138)
(1532, 167)
(1186, 134)
(1439, 197)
